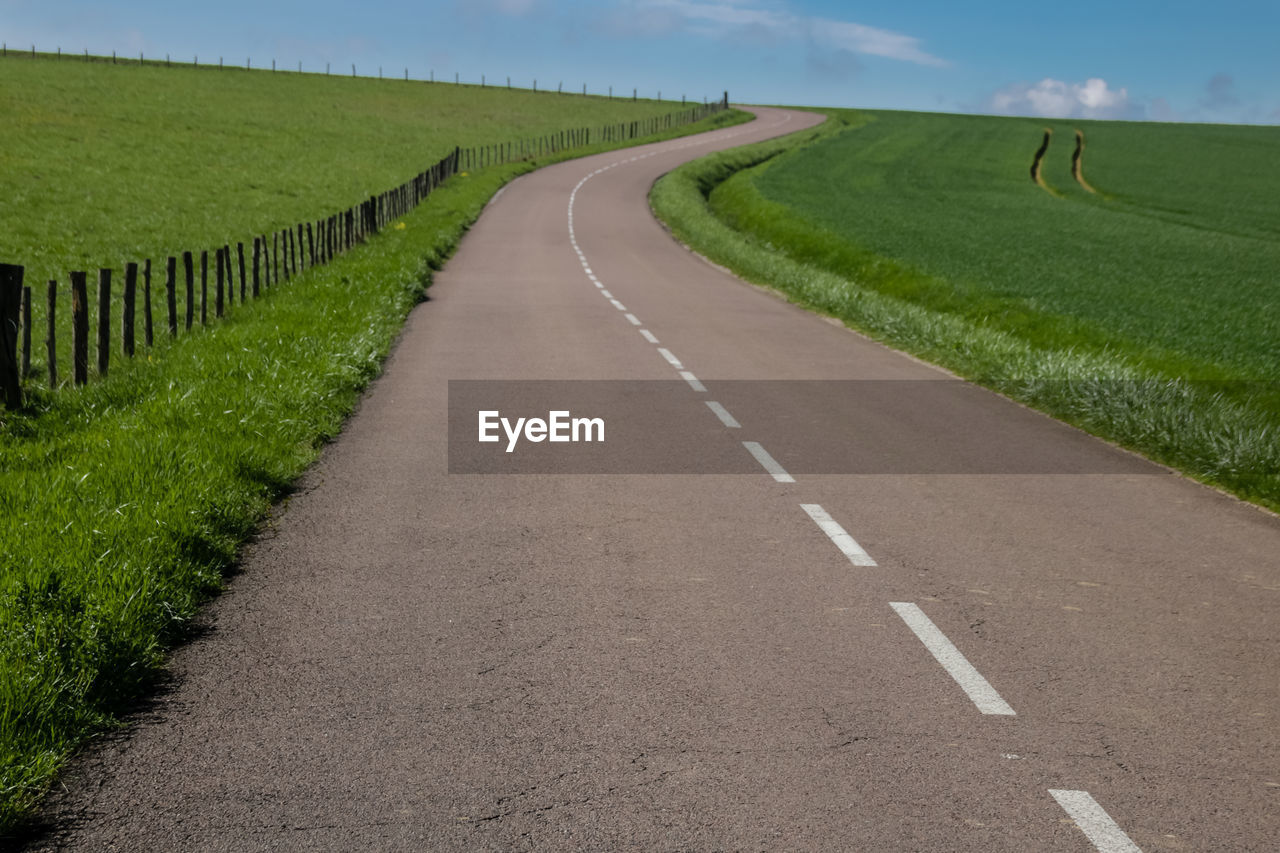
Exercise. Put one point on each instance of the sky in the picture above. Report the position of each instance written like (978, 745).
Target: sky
(1162, 61)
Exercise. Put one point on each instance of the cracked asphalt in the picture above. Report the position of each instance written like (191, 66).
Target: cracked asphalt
(412, 659)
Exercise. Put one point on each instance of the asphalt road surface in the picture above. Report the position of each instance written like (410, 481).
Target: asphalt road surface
(808, 594)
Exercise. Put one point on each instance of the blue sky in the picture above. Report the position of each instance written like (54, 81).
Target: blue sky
(1174, 61)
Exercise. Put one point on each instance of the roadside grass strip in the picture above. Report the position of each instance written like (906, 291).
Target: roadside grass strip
(957, 666)
(1216, 423)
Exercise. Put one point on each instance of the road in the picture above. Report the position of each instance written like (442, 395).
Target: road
(881, 609)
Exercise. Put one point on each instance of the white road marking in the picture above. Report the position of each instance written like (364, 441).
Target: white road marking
(649, 336)
(599, 285)
(944, 652)
(768, 462)
(606, 294)
(723, 414)
(585, 267)
(846, 543)
(1094, 822)
(621, 307)
(631, 318)
(667, 354)
(693, 381)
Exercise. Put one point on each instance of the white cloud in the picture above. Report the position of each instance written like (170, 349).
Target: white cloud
(745, 20)
(857, 38)
(1056, 99)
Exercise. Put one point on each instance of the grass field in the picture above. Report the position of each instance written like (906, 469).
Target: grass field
(122, 503)
(104, 164)
(1146, 312)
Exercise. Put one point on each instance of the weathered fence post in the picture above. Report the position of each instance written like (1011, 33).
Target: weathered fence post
(217, 303)
(311, 245)
(204, 289)
(171, 294)
(188, 266)
(231, 279)
(26, 332)
(10, 303)
(126, 316)
(80, 326)
(240, 255)
(51, 342)
(146, 303)
(104, 320)
(257, 267)
(274, 266)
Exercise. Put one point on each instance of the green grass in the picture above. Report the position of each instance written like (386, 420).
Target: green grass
(1145, 314)
(122, 503)
(1179, 274)
(104, 164)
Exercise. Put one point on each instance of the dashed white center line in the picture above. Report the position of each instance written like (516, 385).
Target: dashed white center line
(768, 462)
(944, 652)
(666, 353)
(842, 540)
(723, 414)
(1094, 822)
(619, 306)
(693, 381)
(631, 318)
(606, 294)
(649, 336)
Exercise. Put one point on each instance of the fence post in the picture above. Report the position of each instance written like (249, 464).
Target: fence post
(126, 316)
(240, 255)
(26, 333)
(146, 303)
(171, 294)
(231, 281)
(10, 301)
(52, 341)
(257, 262)
(204, 290)
(104, 320)
(217, 303)
(80, 326)
(189, 268)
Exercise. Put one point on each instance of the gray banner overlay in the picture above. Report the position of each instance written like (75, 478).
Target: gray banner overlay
(808, 426)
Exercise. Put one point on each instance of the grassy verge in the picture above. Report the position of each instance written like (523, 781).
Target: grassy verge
(124, 501)
(1219, 426)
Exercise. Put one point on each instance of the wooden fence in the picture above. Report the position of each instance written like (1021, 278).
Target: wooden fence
(267, 263)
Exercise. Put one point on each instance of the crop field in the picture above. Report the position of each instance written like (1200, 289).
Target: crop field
(1145, 307)
(123, 502)
(1174, 261)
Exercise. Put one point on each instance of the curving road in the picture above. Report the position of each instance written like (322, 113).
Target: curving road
(880, 609)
